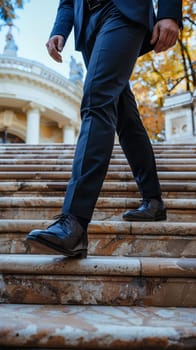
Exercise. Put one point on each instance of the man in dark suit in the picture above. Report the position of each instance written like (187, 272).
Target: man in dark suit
(111, 35)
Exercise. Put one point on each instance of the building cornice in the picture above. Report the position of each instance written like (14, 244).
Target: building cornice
(39, 75)
(178, 100)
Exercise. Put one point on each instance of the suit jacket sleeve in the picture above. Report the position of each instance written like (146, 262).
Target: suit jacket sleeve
(170, 9)
(64, 19)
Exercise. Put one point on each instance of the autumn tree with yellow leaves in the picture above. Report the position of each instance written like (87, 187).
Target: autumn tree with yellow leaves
(8, 9)
(158, 75)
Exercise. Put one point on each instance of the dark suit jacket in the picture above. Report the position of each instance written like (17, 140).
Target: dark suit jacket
(71, 13)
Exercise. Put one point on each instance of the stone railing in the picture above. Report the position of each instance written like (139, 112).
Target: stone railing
(23, 65)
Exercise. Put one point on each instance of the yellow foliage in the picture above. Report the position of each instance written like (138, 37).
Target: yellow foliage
(156, 76)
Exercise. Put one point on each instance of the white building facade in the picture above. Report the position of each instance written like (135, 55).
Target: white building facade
(37, 105)
(180, 118)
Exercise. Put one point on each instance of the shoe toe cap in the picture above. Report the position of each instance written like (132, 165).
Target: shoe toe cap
(34, 233)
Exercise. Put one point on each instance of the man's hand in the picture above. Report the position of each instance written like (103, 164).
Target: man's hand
(55, 45)
(165, 34)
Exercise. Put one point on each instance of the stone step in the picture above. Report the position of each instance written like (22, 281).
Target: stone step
(106, 208)
(63, 155)
(63, 145)
(65, 175)
(107, 238)
(55, 279)
(117, 147)
(97, 327)
(148, 266)
(69, 161)
(71, 150)
(109, 189)
(112, 168)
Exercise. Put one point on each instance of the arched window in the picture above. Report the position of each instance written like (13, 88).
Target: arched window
(6, 137)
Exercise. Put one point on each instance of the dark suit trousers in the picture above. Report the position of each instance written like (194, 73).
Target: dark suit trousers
(111, 46)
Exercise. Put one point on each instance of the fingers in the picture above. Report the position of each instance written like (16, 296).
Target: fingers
(165, 34)
(155, 35)
(55, 46)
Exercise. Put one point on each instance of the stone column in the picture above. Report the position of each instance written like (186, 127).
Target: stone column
(33, 123)
(168, 131)
(68, 134)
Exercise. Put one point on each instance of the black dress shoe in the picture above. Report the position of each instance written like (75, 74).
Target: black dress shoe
(65, 236)
(150, 210)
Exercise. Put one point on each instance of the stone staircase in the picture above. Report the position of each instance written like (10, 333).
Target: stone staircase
(136, 289)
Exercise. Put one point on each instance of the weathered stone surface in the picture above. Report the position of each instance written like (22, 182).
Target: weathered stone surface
(123, 266)
(182, 190)
(106, 208)
(112, 168)
(114, 214)
(58, 264)
(99, 290)
(98, 280)
(66, 161)
(123, 203)
(168, 267)
(65, 175)
(118, 245)
(161, 239)
(158, 267)
(99, 327)
(109, 227)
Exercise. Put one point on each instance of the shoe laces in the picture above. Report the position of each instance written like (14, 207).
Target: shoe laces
(145, 202)
(62, 218)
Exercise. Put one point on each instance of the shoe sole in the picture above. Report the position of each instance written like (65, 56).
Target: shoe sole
(158, 218)
(38, 244)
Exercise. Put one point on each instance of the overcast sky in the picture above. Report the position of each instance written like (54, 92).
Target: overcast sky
(33, 27)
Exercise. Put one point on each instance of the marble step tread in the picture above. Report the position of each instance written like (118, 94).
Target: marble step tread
(104, 202)
(116, 148)
(112, 168)
(66, 155)
(70, 152)
(64, 145)
(96, 327)
(39, 264)
(114, 158)
(55, 279)
(68, 161)
(69, 157)
(68, 148)
(111, 186)
(108, 227)
(65, 175)
(116, 238)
